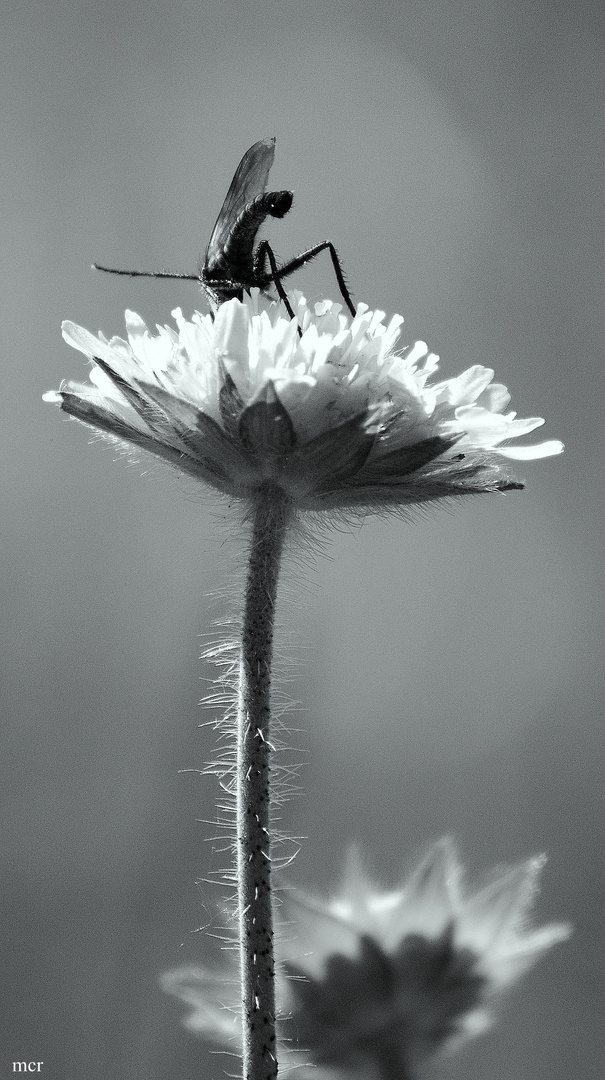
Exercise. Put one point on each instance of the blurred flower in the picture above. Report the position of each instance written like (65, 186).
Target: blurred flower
(320, 405)
(377, 982)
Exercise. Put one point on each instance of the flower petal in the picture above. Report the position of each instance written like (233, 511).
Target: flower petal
(532, 453)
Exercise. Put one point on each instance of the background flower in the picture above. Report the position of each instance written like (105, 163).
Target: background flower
(379, 982)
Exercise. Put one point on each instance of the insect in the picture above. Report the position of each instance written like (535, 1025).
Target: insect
(232, 263)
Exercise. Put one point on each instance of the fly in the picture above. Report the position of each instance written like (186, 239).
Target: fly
(233, 262)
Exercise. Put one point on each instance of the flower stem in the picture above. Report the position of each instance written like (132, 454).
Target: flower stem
(270, 518)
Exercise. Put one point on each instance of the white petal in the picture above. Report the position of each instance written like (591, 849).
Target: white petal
(532, 453)
(467, 387)
(430, 897)
(495, 397)
(87, 343)
(214, 1000)
(231, 332)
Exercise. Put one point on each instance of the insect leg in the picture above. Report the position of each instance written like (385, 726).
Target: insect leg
(263, 251)
(306, 257)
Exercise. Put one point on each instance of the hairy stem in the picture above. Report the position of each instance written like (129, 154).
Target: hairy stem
(271, 515)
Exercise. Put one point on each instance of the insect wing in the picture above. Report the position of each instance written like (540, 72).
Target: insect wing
(250, 180)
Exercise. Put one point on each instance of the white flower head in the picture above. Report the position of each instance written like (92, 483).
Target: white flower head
(320, 405)
(377, 982)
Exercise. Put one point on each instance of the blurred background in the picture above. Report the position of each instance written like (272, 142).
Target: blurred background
(450, 670)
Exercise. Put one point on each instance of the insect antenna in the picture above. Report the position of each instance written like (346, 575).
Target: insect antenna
(145, 273)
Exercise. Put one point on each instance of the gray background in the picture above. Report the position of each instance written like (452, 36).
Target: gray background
(450, 670)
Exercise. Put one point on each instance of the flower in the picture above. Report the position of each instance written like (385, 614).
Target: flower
(390, 978)
(378, 982)
(320, 405)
